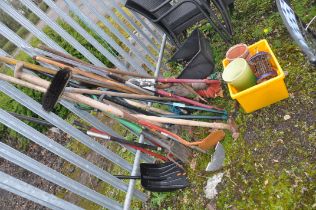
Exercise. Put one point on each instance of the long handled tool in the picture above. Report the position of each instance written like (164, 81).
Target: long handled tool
(70, 58)
(118, 86)
(103, 135)
(152, 82)
(140, 119)
(144, 148)
(151, 87)
(107, 108)
(184, 106)
(178, 150)
(108, 83)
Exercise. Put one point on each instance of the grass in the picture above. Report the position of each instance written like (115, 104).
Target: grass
(272, 164)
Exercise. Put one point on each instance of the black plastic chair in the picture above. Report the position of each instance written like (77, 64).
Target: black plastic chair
(197, 55)
(175, 19)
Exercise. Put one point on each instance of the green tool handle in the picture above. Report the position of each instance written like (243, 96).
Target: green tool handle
(134, 127)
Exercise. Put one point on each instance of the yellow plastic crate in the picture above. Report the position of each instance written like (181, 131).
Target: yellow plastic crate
(263, 94)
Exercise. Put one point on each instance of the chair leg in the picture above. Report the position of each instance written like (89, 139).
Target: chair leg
(224, 12)
(226, 37)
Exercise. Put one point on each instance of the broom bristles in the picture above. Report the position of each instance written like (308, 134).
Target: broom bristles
(56, 89)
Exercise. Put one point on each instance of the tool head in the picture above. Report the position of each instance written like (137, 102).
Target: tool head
(218, 159)
(164, 177)
(160, 170)
(211, 140)
(56, 89)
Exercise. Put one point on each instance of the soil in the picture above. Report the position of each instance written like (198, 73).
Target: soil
(10, 201)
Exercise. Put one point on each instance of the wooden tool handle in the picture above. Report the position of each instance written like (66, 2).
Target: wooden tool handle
(111, 83)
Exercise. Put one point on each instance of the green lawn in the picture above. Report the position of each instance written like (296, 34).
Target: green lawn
(272, 164)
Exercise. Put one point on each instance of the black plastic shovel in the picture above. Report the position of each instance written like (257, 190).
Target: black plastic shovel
(165, 177)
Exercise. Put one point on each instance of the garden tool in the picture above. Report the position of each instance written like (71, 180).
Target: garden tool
(111, 84)
(197, 117)
(150, 87)
(37, 68)
(152, 82)
(59, 55)
(147, 107)
(144, 148)
(140, 119)
(178, 150)
(126, 105)
(152, 169)
(116, 94)
(31, 119)
(184, 106)
(101, 134)
(164, 179)
(218, 159)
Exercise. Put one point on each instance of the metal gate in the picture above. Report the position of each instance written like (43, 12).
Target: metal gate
(142, 52)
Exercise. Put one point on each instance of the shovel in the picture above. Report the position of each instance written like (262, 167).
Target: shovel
(164, 177)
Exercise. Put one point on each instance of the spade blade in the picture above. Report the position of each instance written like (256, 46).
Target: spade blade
(218, 158)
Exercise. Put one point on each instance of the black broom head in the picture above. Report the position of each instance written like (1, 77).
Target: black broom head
(56, 89)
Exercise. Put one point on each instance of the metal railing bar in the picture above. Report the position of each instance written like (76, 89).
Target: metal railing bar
(61, 151)
(135, 171)
(55, 177)
(32, 193)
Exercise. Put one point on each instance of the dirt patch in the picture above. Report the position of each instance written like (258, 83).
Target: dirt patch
(14, 202)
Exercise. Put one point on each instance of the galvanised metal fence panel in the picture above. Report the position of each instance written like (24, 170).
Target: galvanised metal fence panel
(27, 191)
(144, 36)
(5, 31)
(49, 144)
(55, 177)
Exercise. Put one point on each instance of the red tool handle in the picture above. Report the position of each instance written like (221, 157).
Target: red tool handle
(163, 131)
(185, 100)
(148, 152)
(172, 80)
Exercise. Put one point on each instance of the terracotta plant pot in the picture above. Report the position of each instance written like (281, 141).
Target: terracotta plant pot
(238, 51)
